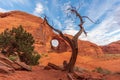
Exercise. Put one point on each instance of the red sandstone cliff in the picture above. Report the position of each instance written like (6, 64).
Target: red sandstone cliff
(42, 33)
(112, 48)
(85, 47)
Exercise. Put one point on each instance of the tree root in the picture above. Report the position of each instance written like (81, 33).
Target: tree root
(52, 66)
(70, 76)
(73, 75)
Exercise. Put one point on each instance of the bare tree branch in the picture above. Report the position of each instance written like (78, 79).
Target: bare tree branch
(58, 31)
(80, 25)
(72, 42)
(80, 4)
(89, 19)
(46, 21)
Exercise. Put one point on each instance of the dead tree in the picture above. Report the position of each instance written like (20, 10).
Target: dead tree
(72, 42)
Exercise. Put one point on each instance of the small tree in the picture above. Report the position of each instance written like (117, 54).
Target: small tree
(20, 41)
(72, 42)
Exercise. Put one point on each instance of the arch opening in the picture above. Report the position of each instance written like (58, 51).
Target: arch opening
(55, 43)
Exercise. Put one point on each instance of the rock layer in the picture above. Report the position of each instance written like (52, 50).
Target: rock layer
(8, 66)
(112, 48)
(88, 48)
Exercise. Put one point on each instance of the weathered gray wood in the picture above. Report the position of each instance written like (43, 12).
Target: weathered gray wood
(70, 77)
(53, 66)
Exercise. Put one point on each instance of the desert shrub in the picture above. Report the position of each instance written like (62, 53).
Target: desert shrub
(13, 58)
(79, 69)
(35, 58)
(44, 55)
(108, 56)
(20, 41)
(101, 70)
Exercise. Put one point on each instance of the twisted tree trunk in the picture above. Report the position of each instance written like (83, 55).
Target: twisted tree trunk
(73, 59)
(72, 42)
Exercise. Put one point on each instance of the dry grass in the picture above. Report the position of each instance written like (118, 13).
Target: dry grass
(109, 57)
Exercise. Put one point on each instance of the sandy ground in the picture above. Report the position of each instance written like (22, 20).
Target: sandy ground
(38, 73)
(85, 62)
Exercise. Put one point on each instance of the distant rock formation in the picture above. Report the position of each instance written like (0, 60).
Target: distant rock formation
(88, 48)
(112, 48)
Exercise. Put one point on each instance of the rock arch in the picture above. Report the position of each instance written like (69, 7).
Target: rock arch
(62, 46)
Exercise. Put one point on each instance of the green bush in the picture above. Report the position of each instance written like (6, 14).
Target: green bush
(35, 58)
(13, 58)
(20, 41)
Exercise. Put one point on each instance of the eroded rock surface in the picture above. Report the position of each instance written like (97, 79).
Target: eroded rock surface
(62, 46)
(84, 47)
(88, 48)
(8, 66)
(113, 48)
(43, 34)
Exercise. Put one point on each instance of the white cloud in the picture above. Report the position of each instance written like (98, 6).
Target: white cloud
(107, 31)
(57, 23)
(11, 3)
(3, 10)
(69, 24)
(38, 9)
(96, 10)
(65, 7)
(100, 9)
(70, 27)
(20, 1)
(70, 31)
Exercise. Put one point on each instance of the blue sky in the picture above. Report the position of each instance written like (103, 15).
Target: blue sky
(106, 11)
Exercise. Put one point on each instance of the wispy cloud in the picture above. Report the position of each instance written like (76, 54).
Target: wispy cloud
(11, 3)
(107, 31)
(65, 7)
(3, 10)
(57, 23)
(97, 10)
(69, 25)
(39, 9)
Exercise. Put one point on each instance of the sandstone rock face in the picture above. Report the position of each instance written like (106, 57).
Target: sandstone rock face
(85, 47)
(8, 66)
(113, 48)
(4, 69)
(2, 15)
(62, 46)
(88, 48)
(43, 34)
